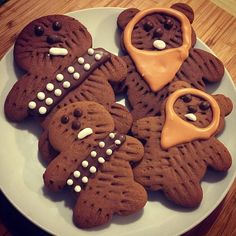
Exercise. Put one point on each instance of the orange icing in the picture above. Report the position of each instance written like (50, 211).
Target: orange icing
(177, 131)
(158, 68)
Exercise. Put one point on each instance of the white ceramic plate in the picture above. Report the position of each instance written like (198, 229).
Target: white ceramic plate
(21, 170)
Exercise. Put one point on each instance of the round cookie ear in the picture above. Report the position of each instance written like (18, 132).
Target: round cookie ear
(225, 104)
(125, 17)
(185, 9)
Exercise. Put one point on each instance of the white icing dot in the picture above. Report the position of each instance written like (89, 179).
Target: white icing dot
(57, 92)
(76, 75)
(109, 152)
(90, 51)
(85, 179)
(92, 169)
(77, 188)
(191, 116)
(81, 60)
(40, 95)
(69, 182)
(101, 160)
(32, 105)
(42, 110)
(59, 77)
(86, 66)
(76, 174)
(159, 44)
(112, 135)
(93, 154)
(71, 69)
(117, 142)
(98, 57)
(50, 87)
(101, 144)
(66, 84)
(85, 164)
(49, 101)
(84, 133)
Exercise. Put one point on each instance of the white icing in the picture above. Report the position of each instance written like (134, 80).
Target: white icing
(98, 57)
(85, 179)
(190, 116)
(49, 101)
(109, 152)
(159, 44)
(81, 60)
(41, 95)
(84, 133)
(76, 75)
(101, 144)
(117, 142)
(57, 92)
(90, 51)
(112, 135)
(59, 77)
(58, 51)
(93, 154)
(49, 87)
(76, 174)
(32, 105)
(42, 110)
(77, 188)
(101, 160)
(66, 84)
(69, 182)
(85, 163)
(92, 169)
(86, 66)
(71, 69)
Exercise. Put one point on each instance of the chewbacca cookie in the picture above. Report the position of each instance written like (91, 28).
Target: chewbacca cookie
(159, 46)
(180, 144)
(94, 162)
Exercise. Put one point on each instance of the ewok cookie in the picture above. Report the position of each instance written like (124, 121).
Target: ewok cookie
(159, 46)
(94, 162)
(180, 144)
(60, 68)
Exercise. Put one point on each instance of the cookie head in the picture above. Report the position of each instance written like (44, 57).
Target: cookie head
(79, 126)
(50, 42)
(153, 38)
(190, 114)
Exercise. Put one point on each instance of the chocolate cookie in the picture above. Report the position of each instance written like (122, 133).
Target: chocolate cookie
(180, 144)
(94, 162)
(159, 46)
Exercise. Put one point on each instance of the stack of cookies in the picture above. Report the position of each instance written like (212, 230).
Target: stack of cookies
(69, 88)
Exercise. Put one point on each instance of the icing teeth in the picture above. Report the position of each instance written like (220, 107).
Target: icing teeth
(58, 51)
(84, 133)
(191, 116)
(159, 44)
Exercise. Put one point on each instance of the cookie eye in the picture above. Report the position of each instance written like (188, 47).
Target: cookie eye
(38, 30)
(64, 119)
(192, 109)
(148, 26)
(187, 98)
(75, 125)
(77, 113)
(56, 25)
(204, 105)
(168, 24)
(158, 33)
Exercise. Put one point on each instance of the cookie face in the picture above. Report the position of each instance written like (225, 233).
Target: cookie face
(153, 58)
(50, 42)
(93, 161)
(178, 149)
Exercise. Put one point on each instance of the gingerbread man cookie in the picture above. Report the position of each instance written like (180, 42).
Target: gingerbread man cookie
(94, 162)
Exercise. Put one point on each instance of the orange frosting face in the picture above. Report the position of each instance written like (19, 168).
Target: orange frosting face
(158, 68)
(177, 131)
